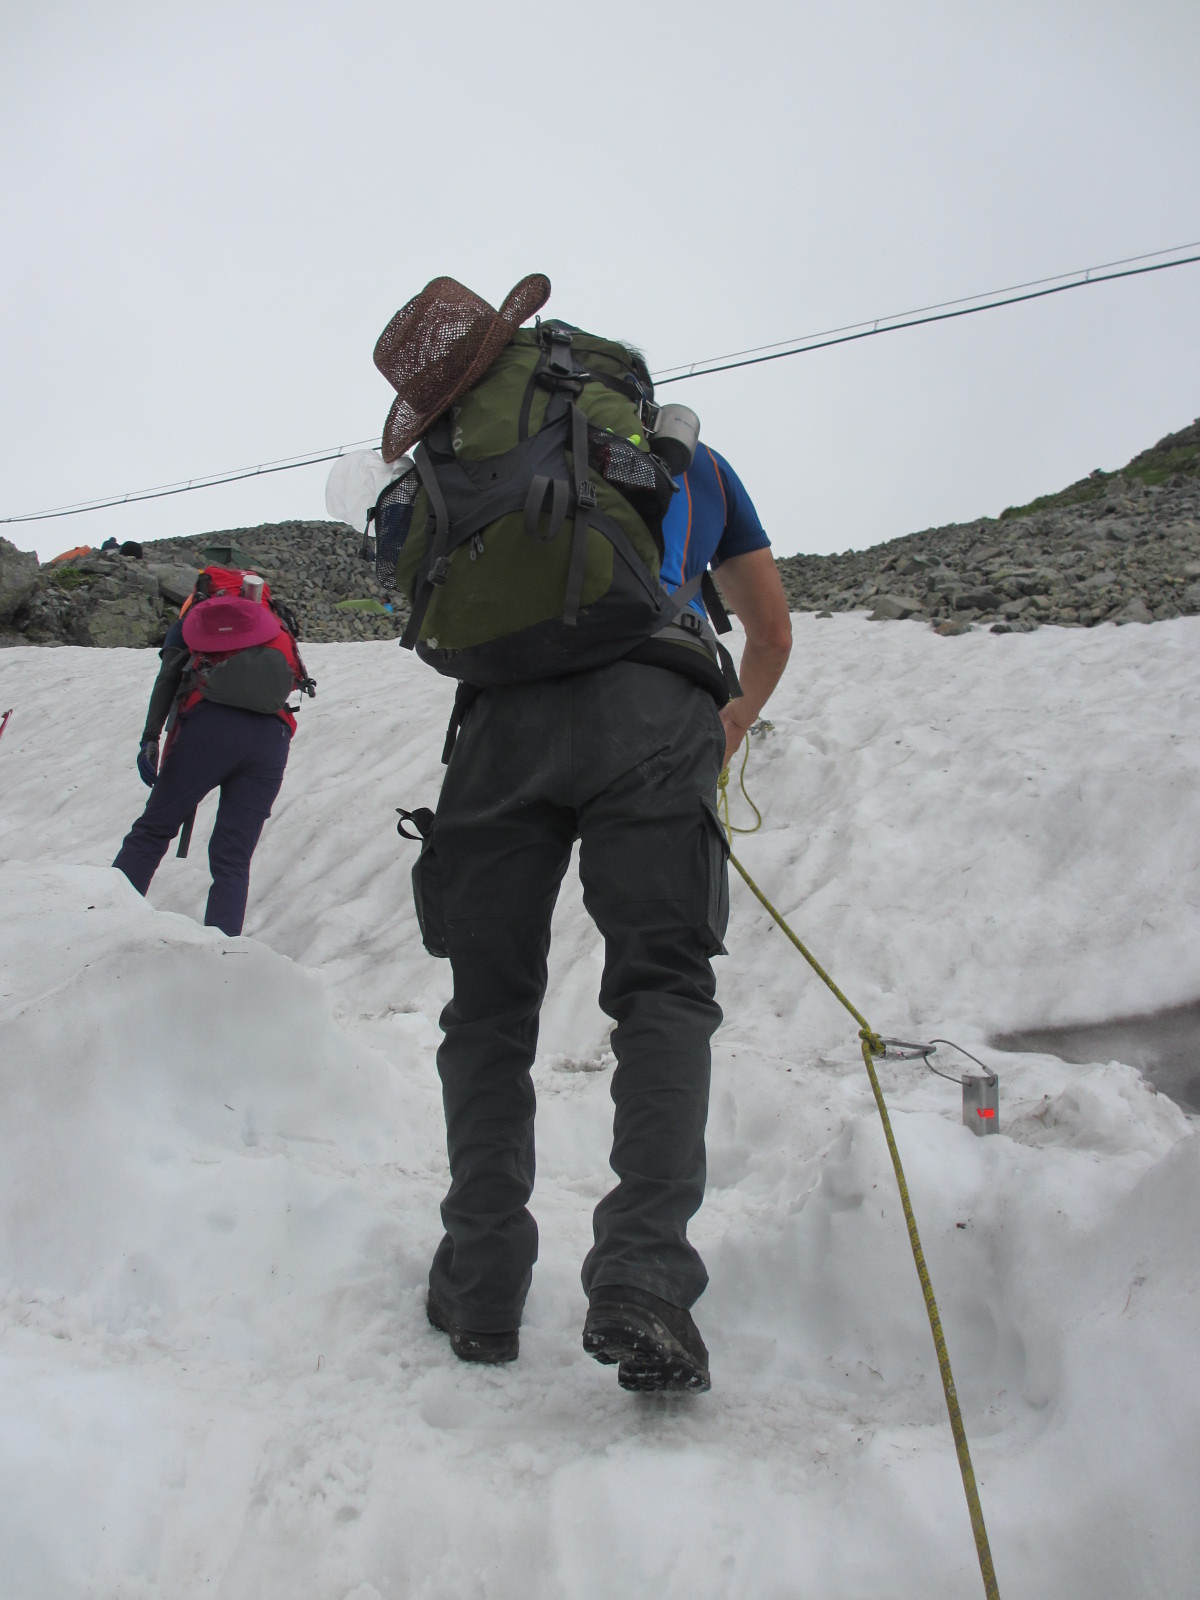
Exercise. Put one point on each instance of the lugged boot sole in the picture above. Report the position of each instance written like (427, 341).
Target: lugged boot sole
(647, 1354)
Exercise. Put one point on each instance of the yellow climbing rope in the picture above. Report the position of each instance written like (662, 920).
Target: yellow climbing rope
(873, 1045)
(723, 785)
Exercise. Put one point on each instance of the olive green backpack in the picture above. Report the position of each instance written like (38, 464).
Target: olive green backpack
(526, 534)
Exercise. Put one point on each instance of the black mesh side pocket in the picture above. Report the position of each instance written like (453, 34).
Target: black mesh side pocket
(393, 518)
(642, 479)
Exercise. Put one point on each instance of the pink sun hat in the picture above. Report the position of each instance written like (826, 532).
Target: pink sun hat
(229, 622)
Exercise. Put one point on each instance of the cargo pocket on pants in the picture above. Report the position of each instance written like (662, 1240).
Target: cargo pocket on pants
(427, 898)
(716, 879)
(426, 880)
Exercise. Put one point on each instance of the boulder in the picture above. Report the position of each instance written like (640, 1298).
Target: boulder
(175, 581)
(136, 580)
(1036, 582)
(18, 578)
(1136, 611)
(894, 607)
(944, 580)
(131, 622)
(976, 600)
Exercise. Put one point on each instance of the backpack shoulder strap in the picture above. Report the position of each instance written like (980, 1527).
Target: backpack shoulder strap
(585, 504)
(555, 369)
(305, 682)
(188, 678)
(438, 560)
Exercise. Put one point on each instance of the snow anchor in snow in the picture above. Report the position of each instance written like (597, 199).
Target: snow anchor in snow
(980, 1092)
(874, 1045)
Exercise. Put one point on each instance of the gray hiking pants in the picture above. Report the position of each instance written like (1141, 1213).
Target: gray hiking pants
(625, 758)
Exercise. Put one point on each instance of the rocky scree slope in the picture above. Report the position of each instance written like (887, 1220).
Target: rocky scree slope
(1118, 546)
(109, 598)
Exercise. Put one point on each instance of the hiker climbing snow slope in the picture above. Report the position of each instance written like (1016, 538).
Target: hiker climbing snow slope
(229, 665)
(530, 537)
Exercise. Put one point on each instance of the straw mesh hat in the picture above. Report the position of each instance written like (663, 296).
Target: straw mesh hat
(439, 344)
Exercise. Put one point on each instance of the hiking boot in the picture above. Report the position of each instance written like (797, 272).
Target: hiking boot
(654, 1344)
(469, 1345)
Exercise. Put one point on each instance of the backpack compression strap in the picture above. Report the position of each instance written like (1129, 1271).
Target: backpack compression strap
(540, 486)
(556, 370)
(535, 503)
(585, 503)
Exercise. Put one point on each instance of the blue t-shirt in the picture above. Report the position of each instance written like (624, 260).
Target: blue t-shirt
(710, 519)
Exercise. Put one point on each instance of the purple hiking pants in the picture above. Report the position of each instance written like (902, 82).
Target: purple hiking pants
(244, 754)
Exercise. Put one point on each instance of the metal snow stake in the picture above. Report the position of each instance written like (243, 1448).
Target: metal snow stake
(980, 1095)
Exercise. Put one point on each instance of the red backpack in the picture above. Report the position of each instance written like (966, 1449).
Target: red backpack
(257, 677)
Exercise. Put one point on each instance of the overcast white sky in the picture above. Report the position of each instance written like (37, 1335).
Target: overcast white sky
(210, 211)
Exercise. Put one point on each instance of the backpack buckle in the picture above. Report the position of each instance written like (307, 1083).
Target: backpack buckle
(438, 572)
(688, 620)
(559, 371)
(558, 347)
(559, 383)
(586, 494)
(560, 363)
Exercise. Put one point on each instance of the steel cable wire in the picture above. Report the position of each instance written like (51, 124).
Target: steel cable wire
(746, 358)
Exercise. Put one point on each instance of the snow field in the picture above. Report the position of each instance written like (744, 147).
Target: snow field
(221, 1160)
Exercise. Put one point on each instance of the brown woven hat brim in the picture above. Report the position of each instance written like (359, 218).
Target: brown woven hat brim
(441, 343)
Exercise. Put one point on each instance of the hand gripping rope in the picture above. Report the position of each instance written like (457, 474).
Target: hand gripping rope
(874, 1045)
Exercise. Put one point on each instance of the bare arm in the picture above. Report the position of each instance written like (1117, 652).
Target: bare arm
(752, 588)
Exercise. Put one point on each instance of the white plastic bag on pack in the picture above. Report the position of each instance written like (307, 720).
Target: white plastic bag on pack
(354, 484)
